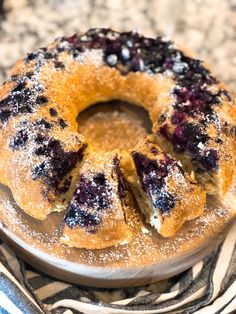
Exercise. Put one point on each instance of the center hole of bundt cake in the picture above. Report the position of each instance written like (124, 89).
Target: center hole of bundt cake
(114, 124)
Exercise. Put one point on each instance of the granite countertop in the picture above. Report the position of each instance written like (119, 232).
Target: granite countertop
(208, 28)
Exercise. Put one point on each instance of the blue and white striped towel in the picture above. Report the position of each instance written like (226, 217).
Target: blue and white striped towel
(209, 287)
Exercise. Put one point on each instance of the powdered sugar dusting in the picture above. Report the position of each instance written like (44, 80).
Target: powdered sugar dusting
(93, 56)
(146, 247)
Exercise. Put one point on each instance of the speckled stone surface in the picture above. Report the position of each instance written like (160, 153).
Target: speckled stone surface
(208, 28)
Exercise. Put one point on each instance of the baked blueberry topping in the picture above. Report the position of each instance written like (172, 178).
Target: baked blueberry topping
(78, 217)
(53, 112)
(192, 138)
(48, 55)
(20, 100)
(19, 140)
(196, 100)
(17, 101)
(112, 60)
(137, 64)
(38, 171)
(164, 131)
(57, 164)
(44, 123)
(154, 150)
(163, 200)
(130, 51)
(188, 136)
(59, 65)
(94, 193)
(62, 123)
(90, 194)
(209, 159)
(39, 138)
(41, 56)
(41, 100)
(30, 130)
(31, 56)
(150, 172)
(152, 178)
(177, 117)
(122, 183)
(72, 40)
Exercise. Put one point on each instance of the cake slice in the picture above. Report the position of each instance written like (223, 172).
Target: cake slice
(166, 195)
(96, 216)
(201, 140)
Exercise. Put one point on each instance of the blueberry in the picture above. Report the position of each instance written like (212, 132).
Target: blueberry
(53, 112)
(19, 141)
(164, 201)
(177, 117)
(62, 123)
(41, 100)
(31, 56)
(210, 160)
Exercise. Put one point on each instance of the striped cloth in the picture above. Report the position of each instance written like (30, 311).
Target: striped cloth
(209, 287)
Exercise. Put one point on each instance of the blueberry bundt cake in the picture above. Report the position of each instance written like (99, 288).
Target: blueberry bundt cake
(99, 206)
(50, 167)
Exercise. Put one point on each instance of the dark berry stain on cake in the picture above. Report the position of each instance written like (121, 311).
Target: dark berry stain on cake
(26, 131)
(59, 65)
(53, 112)
(41, 100)
(91, 197)
(152, 178)
(209, 160)
(164, 202)
(62, 123)
(31, 56)
(21, 99)
(43, 55)
(64, 187)
(19, 140)
(192, 138)
(57, 162)
(122, 183)
(76, 217)
(44, 123)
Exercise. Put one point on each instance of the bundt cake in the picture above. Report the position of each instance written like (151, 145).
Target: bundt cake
(49, 167)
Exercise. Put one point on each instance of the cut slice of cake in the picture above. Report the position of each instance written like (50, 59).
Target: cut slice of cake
(167, 196)
(96, 216)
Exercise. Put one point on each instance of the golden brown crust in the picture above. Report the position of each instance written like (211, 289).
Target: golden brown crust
(42, 150)
(111, 233)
